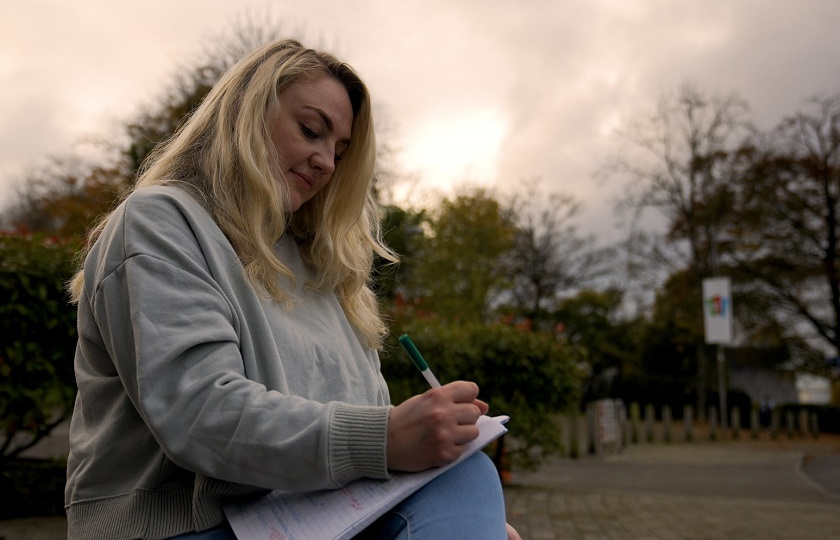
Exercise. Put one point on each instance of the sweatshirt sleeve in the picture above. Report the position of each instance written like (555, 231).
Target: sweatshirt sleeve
(173, 337)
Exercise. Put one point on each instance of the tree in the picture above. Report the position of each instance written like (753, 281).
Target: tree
(64, 197)
(669, 346)
(686, 171)
(190, 84)
(459, 270)
(400, 230)
(600, 338)
(788, 211)
(549, 257)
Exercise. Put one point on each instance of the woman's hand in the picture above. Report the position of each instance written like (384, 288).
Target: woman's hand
(431, 429)
(511, 533)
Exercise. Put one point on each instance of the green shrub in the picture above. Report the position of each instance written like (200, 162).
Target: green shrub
(37, 339)
(526, 375)
(32, 487)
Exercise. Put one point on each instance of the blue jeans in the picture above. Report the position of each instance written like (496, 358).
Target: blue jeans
(464, 503)
(222, 532)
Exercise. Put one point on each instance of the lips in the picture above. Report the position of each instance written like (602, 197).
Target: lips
(304, 179)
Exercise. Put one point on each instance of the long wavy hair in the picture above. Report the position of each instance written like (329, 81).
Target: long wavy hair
(224, 157)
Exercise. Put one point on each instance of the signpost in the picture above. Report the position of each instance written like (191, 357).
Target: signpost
(717, 322)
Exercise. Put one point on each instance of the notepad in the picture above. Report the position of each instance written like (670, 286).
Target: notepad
(342, 513)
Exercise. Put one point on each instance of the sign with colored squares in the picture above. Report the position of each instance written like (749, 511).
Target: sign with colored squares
(717, 310)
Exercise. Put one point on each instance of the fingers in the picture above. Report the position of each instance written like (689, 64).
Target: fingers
(453, 415)
(461, 391)
(463, 394)
(482, 406)
(431, 429)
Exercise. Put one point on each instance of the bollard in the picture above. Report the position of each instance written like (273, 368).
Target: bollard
(592, 443)
(564, 435)
(755, 426)
(574, 438)
(713, 427)
(736, 422)
(688, 423)
(789, 424)
(803, 422)
(635, 413)
(815, 425)
(666, 423)
(623, 426)
(649, 413)
(775, 422)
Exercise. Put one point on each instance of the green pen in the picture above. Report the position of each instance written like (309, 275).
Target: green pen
(417, 358)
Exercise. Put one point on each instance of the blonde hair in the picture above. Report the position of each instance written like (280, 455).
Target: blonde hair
(223, 155)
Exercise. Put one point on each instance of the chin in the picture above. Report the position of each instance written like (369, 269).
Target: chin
(294, 203)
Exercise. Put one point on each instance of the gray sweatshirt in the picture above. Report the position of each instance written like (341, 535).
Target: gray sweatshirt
(193, 387)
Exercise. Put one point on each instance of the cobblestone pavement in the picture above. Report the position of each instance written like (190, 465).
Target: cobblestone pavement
(544, 514)
(687, 491)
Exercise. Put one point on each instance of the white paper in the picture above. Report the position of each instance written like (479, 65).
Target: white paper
(342, 513)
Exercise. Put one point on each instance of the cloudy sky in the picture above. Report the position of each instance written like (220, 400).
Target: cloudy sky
(486, 91)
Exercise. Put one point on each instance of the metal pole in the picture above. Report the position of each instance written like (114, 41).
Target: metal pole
(721, 362)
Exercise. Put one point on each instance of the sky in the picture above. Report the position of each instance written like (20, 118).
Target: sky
(478, 92)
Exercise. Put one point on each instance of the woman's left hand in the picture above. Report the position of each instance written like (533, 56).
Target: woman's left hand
(511, 532)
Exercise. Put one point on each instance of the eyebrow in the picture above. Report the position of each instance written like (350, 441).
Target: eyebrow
(327, 120)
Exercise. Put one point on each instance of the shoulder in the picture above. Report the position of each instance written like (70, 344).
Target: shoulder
(163, 214)
(154, 202)
(163, 222)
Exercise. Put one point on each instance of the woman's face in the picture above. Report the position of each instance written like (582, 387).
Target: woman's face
(310, 130)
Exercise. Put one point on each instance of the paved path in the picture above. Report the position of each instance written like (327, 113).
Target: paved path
(703, 490)
(754, 490)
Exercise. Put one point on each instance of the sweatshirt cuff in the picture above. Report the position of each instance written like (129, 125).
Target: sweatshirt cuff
(358, 441)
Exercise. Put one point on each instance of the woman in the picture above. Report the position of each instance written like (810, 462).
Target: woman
(227, 334)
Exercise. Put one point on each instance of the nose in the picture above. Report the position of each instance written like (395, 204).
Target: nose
(323, 160)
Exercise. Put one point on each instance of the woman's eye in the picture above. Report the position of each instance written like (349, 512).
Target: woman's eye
(308, 133)
(337, 158)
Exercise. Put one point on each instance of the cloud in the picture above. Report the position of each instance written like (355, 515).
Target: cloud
(585, 70)
(557, 77)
